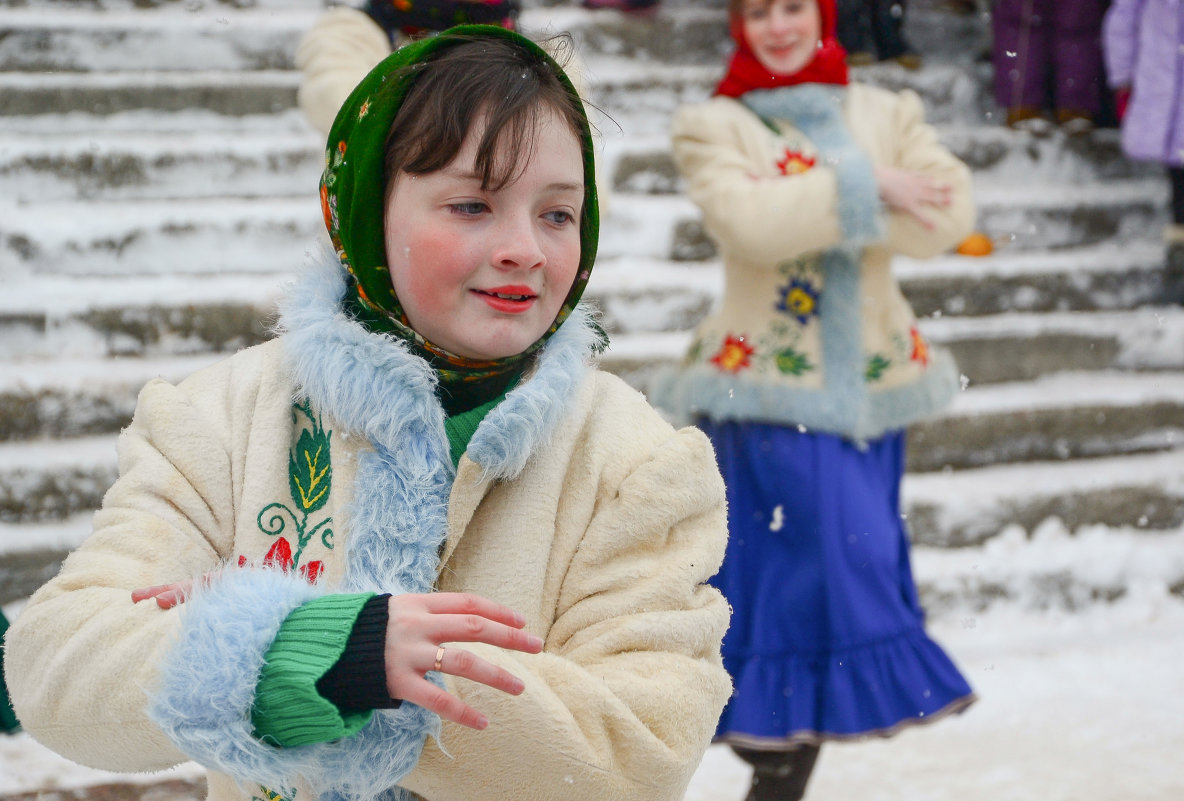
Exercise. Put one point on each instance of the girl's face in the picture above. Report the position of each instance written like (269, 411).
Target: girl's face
(483, 273)
(783, 34)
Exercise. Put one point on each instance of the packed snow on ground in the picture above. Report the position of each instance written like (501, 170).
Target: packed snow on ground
(1080, 698)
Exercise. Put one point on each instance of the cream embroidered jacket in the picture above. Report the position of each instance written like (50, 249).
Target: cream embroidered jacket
(322, 455)
(813, 328)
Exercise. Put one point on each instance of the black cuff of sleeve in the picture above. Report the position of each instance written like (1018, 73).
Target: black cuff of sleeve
(357, 681)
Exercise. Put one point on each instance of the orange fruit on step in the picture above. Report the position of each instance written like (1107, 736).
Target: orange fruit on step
(977, 244)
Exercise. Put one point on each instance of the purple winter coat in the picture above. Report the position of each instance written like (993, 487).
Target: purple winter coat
(1143, 41)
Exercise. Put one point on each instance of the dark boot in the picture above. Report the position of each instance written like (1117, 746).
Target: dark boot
(779, 775)
(1173, 274)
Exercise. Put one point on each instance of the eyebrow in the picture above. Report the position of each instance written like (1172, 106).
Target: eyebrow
(558, 186)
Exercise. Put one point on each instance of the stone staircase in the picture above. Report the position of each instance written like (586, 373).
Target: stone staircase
(159, 187)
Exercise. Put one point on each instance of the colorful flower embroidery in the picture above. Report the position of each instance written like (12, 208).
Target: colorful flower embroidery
(799, 299)
(920, 348)
(795, 162)
(365, 109)
(793, 362)
(876, 365)
(310, 478)
(733, 355)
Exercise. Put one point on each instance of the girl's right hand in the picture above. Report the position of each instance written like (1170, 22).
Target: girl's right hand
(912, 193)
(417, 624)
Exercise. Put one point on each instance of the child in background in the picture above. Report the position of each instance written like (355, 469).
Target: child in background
(1041, 41)
(1144, 46)
(873, 30)
(421, 513)
(805, 378)
(345, 43)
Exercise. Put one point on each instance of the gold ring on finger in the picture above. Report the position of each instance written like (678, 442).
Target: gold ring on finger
(439, 658)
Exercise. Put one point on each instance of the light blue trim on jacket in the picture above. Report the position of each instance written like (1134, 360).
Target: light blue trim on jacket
(859, 416)
(373, 386)
(817, 111)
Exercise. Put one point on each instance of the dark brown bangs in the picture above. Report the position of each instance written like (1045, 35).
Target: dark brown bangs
(488, 78)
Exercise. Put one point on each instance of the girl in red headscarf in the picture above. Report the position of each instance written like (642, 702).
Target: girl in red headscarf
(805, 377)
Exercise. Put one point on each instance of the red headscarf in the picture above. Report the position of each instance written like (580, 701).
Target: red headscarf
(745, 72)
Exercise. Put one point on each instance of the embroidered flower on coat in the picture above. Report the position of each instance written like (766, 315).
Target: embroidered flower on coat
(798, 299)
(793, 362)
(365, 109)
(795, 162)
(920, 347)
(876, 365)
(310, 478)
(279, 556)
(733, 355)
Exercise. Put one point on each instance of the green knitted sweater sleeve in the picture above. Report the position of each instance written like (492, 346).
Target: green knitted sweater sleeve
(288, 710)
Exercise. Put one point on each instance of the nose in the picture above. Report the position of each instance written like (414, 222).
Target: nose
(517, 244)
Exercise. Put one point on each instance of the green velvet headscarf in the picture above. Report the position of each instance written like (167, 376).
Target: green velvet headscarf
(353, 193)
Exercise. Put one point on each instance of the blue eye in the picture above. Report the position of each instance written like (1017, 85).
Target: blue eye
(559, 217)
(473, 208)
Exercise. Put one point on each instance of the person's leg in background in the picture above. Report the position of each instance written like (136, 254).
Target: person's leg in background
(1021, 59)
(888, 30)
(1076, 51)
(1174, 270)
(854, 31)
(779, 775)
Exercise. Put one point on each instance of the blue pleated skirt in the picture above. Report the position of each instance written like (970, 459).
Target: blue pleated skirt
(827, 638)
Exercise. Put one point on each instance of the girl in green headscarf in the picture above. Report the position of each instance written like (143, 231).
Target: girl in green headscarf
(437, 551)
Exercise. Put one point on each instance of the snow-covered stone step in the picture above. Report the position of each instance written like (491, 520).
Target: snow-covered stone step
(181, 38)
(965, 507)
(118, 166)
(1057, 417)
(55, 6)
(30, 554)
(203, 236)
(49, 480)
(202, 38)
(229, 92)
(1048, 217)
(643, 95)
(78, 397)
(1050, 567)
(1020, 346)
(1090, 278)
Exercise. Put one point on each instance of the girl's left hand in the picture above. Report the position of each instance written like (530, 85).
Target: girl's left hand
(912, 193)
(167, 595)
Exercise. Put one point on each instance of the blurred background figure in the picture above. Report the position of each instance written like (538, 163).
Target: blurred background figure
(1038, 43)
(629, 6)
(873, 30)
(805, 377)
(8, 722)
(1144, 46)
(346, 42)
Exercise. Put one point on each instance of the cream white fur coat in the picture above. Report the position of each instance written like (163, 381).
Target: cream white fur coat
(575, 504)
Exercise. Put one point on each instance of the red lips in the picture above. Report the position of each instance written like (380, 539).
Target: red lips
(509, 299)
